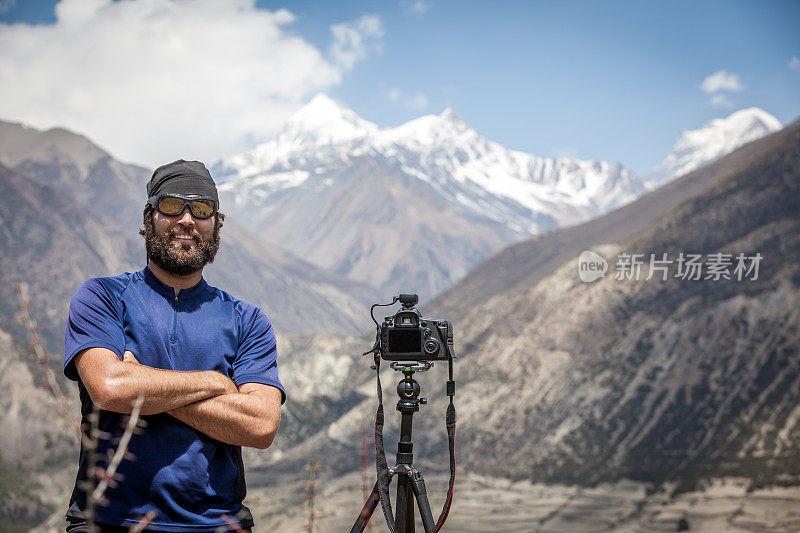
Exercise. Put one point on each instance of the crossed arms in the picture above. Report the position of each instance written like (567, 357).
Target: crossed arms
(204, 399)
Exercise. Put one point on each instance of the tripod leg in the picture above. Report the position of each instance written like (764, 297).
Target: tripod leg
(410, 527)
(404, 512)
(366, 512)
(418, 486)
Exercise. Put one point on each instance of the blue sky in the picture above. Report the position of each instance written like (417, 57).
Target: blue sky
(597, 80)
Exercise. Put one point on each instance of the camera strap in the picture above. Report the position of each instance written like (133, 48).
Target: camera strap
(450, 421)
(380, 454)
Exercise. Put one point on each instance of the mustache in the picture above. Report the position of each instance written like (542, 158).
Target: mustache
(192, 232)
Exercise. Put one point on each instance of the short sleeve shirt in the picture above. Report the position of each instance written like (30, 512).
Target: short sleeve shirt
(189, 479)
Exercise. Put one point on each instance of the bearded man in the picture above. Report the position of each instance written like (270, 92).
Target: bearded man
(204, 362)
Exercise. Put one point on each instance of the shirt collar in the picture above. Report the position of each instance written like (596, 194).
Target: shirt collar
(169, 291)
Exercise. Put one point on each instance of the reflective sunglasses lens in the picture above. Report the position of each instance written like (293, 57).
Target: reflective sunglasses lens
(170, 205)
(202, 208)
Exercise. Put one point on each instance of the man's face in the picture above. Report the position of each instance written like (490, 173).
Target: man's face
(181, 244)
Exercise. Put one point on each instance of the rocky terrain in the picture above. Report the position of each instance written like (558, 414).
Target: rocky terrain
(649, 379)
(484, 504)
(37, 441)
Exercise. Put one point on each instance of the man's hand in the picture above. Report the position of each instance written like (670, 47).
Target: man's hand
(113, 385)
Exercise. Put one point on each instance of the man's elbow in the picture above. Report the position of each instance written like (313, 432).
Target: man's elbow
(110, 394)
(263, 439)
(262, 443)
(107, 400)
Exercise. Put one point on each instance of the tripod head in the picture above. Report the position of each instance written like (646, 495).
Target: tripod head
(408, 388)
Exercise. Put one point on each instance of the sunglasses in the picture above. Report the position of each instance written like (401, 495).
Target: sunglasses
(174, 204)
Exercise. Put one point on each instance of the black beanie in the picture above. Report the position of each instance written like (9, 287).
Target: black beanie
(185, 178)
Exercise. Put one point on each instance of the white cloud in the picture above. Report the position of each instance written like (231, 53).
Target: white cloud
(417, 7)
(721, 80)
(794, 63)
(417, 101)
(721, 100)
(156, 80)
(352, 41)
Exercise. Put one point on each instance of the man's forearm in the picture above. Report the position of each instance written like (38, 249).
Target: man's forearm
(163, 390)
(240, 418)
(114, 385)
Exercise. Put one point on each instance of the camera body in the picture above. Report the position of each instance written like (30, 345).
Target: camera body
(409, 336)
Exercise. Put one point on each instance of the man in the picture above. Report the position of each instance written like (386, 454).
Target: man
(204, 361)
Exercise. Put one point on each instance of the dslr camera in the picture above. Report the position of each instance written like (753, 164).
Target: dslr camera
(409, 336)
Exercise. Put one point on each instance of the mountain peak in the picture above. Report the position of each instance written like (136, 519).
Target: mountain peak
(321, 105)
(754, 115)
(430, 130)
(327, 122)
(716, 138)
(449, 114)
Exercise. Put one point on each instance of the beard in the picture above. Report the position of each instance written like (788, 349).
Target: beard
(178, 258)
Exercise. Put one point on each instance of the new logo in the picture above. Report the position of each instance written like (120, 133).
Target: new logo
(591, 266)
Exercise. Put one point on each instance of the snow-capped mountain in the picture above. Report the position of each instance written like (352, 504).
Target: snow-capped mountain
(713, 140)
(528, 194)
(416, 205)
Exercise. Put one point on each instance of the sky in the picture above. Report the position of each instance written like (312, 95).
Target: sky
(154, 80)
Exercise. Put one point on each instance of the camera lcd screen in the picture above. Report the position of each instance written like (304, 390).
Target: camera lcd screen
(405, 341)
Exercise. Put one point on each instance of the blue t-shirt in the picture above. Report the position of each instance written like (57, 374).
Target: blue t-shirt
(189, 479)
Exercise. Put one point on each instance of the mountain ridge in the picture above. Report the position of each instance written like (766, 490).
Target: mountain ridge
(434, 144)
(497, 195)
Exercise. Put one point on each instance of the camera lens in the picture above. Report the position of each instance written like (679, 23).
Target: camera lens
(431, 347)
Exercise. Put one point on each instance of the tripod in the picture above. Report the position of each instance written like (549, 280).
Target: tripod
(410, 482)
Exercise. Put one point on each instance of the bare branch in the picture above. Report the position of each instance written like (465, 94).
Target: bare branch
(235, 525)
(99, 479)
(143, 523)
(42, 357)
(108, 476)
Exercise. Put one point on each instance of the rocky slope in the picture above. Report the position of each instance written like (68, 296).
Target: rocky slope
(38, 444)
(49, 241)
(657, 379)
